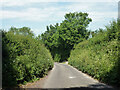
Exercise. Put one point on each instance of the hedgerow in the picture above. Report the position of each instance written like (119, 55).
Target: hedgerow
(100, 55)
(24, 58)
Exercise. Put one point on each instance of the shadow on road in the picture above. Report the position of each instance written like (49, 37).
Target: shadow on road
(90, 87)
(94, 87)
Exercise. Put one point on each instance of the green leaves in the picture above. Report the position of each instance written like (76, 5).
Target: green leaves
(24, 58)
(65, 35)
(26, 31)
(99, 56)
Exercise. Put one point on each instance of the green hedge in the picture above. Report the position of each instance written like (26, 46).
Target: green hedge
(100, 55)
(24, 59)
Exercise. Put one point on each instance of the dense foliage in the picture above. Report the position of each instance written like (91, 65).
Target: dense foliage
(60, 39)
(24, 57)
(100, 55)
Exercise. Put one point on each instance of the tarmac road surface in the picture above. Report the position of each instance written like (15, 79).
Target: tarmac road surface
(64, 76)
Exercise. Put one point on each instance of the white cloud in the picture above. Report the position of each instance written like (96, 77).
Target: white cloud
(53, 14)
(30, 14)
(102, 16)
(10, 3)
(78, 7)
(91, 9)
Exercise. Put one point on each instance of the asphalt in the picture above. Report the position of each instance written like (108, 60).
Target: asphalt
(64, 76)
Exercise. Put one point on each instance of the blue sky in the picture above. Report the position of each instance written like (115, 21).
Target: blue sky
(37, 14)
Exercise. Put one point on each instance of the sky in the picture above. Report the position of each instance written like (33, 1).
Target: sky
(37, 14)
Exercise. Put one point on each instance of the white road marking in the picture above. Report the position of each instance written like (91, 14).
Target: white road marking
(72, 77)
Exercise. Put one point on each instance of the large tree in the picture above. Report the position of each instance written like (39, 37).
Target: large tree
(60, 39)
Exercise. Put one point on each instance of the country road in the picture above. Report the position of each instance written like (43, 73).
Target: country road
(65, 76)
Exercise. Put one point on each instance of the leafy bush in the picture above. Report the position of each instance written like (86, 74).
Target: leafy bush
(100, 55)
(24, 58)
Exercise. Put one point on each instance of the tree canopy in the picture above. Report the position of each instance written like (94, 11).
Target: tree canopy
(60, 38)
